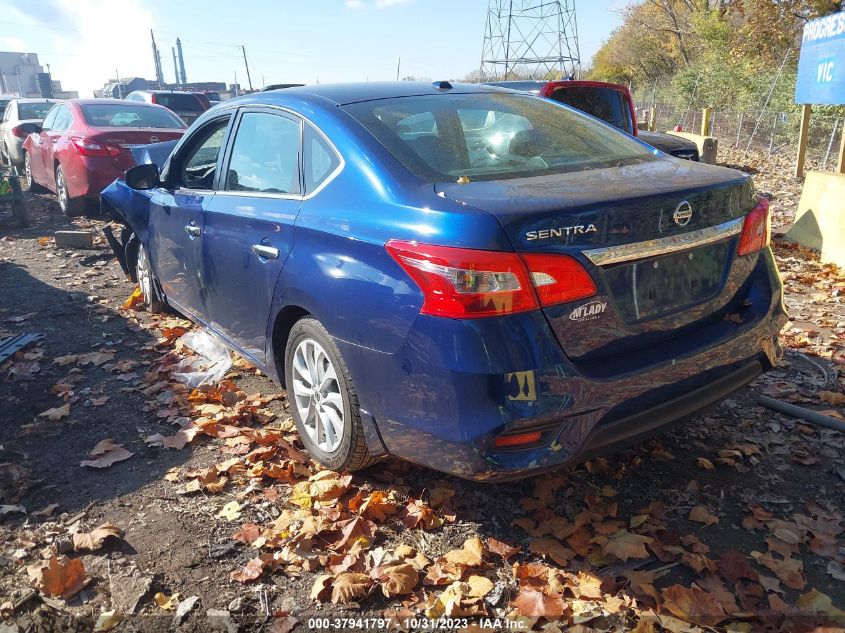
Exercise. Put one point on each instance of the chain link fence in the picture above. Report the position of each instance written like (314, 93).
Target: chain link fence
(770, 132)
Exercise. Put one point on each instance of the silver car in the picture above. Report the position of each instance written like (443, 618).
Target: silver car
(21, 118)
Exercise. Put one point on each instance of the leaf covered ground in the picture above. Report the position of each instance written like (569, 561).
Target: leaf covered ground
(131, 502)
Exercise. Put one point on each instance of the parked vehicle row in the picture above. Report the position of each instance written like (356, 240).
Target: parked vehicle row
(84, 144)
(468, 277)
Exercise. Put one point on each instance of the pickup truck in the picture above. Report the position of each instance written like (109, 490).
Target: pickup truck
(612, 103)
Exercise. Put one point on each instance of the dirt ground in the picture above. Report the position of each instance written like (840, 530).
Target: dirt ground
(733, 521)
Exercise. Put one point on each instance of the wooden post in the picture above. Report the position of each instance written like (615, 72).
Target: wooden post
(652, 116)
(840, 164)
(802, 140)
(706, 113)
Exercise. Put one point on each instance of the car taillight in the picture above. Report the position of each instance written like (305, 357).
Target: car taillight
(756, 230)
(153, 98)
(465, 283)
(19, 132)
(469, 283)
(520, 439)
(558, 278)
(87, 147)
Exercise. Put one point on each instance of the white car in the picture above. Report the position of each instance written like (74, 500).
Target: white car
(21, 118)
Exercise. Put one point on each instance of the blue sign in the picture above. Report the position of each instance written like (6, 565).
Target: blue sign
(821, 67)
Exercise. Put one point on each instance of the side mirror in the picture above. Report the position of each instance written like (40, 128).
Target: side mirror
(30, 128)
(142, 176)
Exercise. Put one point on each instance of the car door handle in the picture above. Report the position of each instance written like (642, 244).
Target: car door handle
(267, 252)
(193, 230)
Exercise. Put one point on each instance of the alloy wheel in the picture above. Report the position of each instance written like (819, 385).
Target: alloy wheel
(142, 271)
(317, 395)
(61, 190)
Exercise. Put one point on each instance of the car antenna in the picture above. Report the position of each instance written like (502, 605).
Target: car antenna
(442, 85)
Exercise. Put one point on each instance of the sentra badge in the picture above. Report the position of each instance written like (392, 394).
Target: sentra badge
(561, 231)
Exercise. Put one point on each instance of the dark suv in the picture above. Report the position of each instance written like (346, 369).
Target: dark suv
(612, 103)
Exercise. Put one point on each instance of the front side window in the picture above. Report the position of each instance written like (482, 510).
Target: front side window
(130, 115)
(320, 159)
(492, 136)
(265, 155)
(199, 164)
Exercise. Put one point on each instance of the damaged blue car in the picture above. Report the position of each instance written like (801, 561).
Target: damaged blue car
(484, 282)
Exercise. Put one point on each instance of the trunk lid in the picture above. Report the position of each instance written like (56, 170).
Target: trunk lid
(129, 138)
(659, 239)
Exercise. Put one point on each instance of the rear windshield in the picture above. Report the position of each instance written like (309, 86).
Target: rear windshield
(33, 110)
(607, 104)
(180, 102)
(129, 115)
(492, 136)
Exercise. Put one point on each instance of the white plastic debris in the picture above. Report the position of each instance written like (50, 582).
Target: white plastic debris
(209, 363)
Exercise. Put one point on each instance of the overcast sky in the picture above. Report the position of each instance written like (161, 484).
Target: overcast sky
(85, 41)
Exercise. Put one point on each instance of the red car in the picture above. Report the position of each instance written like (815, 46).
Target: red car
(85, 144)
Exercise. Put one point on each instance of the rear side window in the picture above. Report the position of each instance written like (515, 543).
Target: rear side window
(50, 118)
(63, 119)
(265, 155)
(606, 104)
(320, 159)
(129, 114)
(180, 102)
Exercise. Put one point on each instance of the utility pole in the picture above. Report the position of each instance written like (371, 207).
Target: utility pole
(398, 66)
(119, 89)
(246, 63)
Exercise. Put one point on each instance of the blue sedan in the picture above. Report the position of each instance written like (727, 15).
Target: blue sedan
(480, 281)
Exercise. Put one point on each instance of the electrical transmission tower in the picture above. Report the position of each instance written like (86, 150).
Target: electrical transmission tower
(530, 37)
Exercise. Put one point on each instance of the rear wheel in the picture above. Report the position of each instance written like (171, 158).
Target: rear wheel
(147, 282)
(34, 187)
(325, 403)
(71, 207)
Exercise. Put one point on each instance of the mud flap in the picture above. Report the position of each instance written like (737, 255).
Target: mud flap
(118, 248)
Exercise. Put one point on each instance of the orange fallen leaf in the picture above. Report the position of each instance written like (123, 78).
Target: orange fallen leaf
(531, 603)
(704, 463)
(502, 549)
(56, 413)
(624, 545)
(94, 539)
(106, 453)
(700, 514)
(470, 555)
(832, 397)
(251, 571)
(398, 579)
(693, 605)
(552, 548)
(348, 586)
(63, 577)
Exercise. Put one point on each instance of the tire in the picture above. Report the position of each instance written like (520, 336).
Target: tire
(34, 187)
(146, 280)
(71, 207)
(311, 355)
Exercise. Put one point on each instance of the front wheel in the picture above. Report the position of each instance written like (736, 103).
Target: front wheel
(324, 400)
(146, 281)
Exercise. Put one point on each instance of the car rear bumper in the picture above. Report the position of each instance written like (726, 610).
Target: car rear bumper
(455, 386)
(87, 176)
